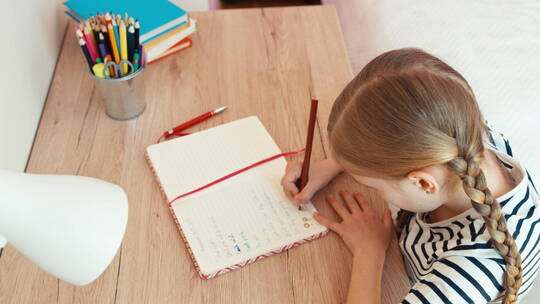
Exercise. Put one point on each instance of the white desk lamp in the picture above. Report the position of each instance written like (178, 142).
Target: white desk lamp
(70, 226)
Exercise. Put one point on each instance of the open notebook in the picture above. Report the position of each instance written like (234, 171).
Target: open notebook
(242, 219)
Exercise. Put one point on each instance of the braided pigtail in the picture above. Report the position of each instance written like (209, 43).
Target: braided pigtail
(475, 186)
(409, 101)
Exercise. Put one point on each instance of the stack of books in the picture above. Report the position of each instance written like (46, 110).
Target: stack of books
(164, 27)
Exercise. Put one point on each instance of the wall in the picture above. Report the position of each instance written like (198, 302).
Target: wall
(192, 5)
(32, 35)
(29, 52)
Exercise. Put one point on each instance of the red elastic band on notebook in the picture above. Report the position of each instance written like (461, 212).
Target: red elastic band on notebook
(219, 180)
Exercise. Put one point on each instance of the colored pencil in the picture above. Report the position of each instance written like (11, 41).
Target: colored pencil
(101, 45)
(90, 44)
(107, 18)
(123, 46)
(303, 180)
(111, 70)
(79, 34)
(137, 33)
(135, 62)
(112, 37)
(140, 50)
(93, 37)
(82, 43)
(107, 40)
(117, 34)
(131, 42)
(97, 30)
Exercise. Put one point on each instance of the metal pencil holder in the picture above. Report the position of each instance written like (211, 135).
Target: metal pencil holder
(122, 97)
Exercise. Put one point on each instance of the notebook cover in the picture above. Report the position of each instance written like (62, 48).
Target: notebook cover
(233, 267)
(156, 17)
(180, 46)
(157, 47)
(156, 41)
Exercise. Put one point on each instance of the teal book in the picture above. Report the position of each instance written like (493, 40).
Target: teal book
(156, 16)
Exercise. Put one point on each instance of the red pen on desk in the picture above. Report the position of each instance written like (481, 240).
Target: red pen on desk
(193, 122)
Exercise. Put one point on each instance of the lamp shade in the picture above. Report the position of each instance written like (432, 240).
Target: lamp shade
(70, 226)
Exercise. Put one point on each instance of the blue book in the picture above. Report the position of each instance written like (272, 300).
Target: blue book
(156, 17)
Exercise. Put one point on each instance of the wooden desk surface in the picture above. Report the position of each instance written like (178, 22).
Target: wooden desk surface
(260, 62)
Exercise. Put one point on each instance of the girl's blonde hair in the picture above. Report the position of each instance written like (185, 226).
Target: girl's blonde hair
(408, 110)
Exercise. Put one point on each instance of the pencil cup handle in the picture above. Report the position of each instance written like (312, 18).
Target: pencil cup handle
(131, 69)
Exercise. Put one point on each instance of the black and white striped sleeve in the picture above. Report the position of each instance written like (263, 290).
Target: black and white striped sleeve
(499, 142)
(458, 279)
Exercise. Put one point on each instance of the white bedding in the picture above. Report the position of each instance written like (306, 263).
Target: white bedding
(494, 44)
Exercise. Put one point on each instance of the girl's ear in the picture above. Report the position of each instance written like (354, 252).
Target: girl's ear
(425, 182)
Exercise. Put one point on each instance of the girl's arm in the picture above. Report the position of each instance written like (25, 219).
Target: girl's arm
(367, 236)
(366, 277)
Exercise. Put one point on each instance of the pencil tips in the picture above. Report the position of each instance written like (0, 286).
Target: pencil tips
(105, 36)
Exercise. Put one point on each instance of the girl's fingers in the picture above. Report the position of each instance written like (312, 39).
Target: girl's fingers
(290, 190)
(305, 195)
(334, 226)
(362, 202)
(350, 201)
(292, 173)
(338, 206)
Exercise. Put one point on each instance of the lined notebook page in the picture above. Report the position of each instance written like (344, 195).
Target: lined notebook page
(242, 217)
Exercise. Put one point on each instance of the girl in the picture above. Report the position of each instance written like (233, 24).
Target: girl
(408, 126)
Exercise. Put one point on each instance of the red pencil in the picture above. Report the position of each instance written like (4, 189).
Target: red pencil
(90, 44)
(303, 180)
(193, 122)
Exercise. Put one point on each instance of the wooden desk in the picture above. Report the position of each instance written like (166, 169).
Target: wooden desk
(260, 62)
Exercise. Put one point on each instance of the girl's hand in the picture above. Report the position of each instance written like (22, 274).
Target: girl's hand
(320, 174)
(364, 233)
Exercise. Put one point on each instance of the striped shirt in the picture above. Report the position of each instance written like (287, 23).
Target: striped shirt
(452, 261)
